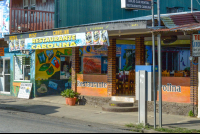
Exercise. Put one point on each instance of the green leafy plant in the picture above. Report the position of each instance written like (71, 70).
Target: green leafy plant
(68, 93)
(191, 114)
(126, 68)
(187, 69)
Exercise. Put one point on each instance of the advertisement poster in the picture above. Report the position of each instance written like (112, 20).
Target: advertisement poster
(99, 38)
(4, 17)
(25, 90)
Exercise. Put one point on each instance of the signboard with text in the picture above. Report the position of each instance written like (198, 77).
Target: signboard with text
(196, 45)
(136, 4)
(1, 51)
(60, 41)
(25, 90)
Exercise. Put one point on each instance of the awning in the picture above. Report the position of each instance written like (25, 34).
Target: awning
(109, 26)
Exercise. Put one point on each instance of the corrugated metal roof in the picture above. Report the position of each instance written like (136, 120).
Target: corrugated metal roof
(181, 22)
(188, 27)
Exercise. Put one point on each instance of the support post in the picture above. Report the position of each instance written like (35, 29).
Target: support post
(75, 67)
(111, 68)
(154, 73)
(142, 118)
(139, 51)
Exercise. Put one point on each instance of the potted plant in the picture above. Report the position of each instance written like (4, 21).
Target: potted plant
(65, 94)
(126, 69)
(70, 96)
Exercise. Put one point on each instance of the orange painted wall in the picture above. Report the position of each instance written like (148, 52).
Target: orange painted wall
(92, 91)
(178, 97)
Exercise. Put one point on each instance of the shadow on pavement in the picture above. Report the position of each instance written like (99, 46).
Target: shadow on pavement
(37, 109)
(191, 122)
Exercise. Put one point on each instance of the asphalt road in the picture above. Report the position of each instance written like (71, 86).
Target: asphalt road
(23, 122)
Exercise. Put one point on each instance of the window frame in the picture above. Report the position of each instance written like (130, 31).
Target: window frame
(22, 67)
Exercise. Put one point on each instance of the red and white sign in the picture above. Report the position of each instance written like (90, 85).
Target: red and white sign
(196, 45)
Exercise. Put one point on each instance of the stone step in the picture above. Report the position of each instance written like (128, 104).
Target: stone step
(119, 109)
(123, 98)
(120, 104)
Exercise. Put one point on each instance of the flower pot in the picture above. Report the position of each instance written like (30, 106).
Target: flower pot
(66, 100)
(72, 101)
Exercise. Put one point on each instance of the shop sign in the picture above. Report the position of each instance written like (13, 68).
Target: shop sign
(171, 88)
(25, 90)
(60, 41)
(196, 45)
(91, 84)
(136, 4)
(1, 51)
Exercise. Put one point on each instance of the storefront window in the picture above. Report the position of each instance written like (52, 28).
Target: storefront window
(65, 70)
(21, 68)
(104, 65)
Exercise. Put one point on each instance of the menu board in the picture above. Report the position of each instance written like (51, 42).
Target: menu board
(25, 90)
(1, 51)
(18, 68)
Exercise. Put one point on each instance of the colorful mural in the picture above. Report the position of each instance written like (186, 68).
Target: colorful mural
(48, 63)
(4, 17)
(92, 65)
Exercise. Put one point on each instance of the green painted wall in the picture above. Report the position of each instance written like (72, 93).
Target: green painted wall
(76, 12)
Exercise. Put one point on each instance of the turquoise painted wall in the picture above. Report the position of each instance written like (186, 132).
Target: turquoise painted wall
(15, 89)
(77, 12)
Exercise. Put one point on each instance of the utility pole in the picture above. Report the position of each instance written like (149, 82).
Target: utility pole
(159, 66)
(191, 6)
(153, 51)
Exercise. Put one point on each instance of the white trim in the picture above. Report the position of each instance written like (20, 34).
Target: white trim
(22, 81)
(24, 3)
(1, 92)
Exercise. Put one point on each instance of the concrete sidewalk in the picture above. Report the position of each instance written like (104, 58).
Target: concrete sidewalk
(55, 106)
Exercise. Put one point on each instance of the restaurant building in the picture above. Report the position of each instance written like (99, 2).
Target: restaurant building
(92, 59)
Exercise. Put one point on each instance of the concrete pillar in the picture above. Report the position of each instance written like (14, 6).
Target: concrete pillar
(139, 51)
(111, 81)
(75, 67)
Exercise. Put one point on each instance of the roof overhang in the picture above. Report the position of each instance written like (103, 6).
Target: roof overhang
(113, 28)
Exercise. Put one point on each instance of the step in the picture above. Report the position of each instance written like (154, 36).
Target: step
(119, 109)
(120, 104)
(123, 98)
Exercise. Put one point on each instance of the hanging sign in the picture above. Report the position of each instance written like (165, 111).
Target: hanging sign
(196, 45)
(1, 51)
(136, 4)
(25, 90)
(61, 41)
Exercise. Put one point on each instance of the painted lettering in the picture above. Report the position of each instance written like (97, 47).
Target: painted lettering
(50, 45)
(44, 46)
(38, 47)
(13, 38)
(33, 47)
(92, 84)
(66, 44)
(171, 88)
(33, 35)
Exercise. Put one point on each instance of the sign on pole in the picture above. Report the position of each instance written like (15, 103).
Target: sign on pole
(136, 4)
(196, 45)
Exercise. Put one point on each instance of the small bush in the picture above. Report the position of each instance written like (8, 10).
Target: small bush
(191, 114)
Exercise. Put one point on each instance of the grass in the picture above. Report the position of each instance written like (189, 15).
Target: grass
(141, 128)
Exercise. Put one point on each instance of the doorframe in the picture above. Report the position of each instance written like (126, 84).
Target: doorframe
(3, 92)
